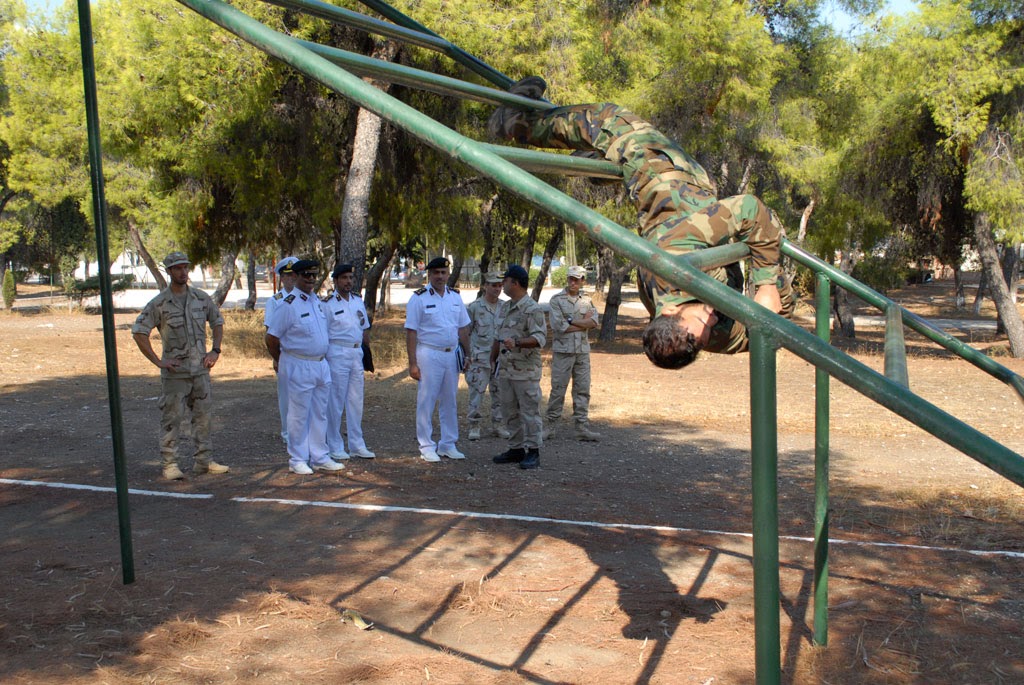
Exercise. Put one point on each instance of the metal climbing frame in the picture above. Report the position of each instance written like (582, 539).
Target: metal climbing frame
(511, 167)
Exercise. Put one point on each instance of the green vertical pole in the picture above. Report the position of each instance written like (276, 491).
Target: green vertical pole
(99, 205)
(764, 468)
(895, 346)
(823, 302)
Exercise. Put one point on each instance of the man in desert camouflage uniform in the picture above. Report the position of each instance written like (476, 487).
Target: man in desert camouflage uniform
(678, 211)
(573, 315)
(483, 317)
(181, 312)
(515, 355)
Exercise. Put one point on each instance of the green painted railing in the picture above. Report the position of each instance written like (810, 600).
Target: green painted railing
(768, 331)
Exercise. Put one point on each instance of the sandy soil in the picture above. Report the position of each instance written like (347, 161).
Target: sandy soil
(249, 581)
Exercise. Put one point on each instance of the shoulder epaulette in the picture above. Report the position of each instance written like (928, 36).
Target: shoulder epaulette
(327, 298)
(290, 298)
(454, 290)
(279, 295)
(420, 291)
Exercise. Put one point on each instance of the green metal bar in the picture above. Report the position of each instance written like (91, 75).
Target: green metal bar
(895, 347)
(418, 78)
(340, 15)
(713, 257)
(99, 205)
(464, 58)
(764, 485)
(624, 242)
(552, 163)
(912, 320)
(823, 306)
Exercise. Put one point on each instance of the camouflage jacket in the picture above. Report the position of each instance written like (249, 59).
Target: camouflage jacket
(483, 319)
(520, 319)
(182, 329)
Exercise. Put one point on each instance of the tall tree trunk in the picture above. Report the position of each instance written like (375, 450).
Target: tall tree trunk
(227, 275)
(147, 258)
(843, 324)
(613, 298)
(350, 245)
(488, 228)
(545, 265)
(805, 219)
(250, 277)
(958, 287)
(1005, 305)
(379, 269)
(979, 296)
(531, 240)
(453, 276)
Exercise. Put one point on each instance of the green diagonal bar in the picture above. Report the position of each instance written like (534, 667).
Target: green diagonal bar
(915, 322)
(629, 245)
(895, 346)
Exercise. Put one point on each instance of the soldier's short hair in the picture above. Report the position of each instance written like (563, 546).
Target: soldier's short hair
(667, 345)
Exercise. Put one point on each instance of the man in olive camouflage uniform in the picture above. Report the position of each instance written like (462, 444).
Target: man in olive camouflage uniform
(678, 211)
(515, 356)
(483, 316)
(573, 316)
(181, 312)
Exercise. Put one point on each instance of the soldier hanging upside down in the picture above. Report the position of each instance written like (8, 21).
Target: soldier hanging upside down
(678, 211)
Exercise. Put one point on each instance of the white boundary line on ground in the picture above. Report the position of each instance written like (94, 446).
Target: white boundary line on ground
(510, 517)
(98, 488)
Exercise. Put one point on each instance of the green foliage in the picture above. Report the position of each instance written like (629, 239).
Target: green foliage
(882, 273)
(10, 291)
(559, 276)
(90, 287)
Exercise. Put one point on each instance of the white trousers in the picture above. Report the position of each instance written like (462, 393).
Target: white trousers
(346, 398)
(282, 400)
(438, 386)
(309, 388)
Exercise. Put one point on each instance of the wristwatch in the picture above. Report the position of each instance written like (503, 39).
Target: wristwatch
(215, 349)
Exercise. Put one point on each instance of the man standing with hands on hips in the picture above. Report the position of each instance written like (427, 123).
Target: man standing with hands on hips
(297, 340)
(181, 312)
(348, 328)
(573, 315)
(436, 323)
(516, 354)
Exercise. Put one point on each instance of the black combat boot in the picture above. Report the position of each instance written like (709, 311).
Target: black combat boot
(532, 459)
(512, 456)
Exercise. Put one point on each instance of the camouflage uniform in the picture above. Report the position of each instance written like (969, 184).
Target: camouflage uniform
(483, 321)
(519, 371)
(570, 358)
(675, 199)
(182, 326)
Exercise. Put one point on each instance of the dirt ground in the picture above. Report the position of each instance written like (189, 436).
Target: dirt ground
(627, 561)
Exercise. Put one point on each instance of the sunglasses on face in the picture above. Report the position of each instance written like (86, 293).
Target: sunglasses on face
(308, 274)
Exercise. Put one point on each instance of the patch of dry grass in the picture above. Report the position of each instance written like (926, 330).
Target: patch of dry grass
(244, 333)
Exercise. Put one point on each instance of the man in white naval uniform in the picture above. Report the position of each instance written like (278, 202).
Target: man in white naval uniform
(297, 340)
(348, 330)
(436, 323)
(284, 270)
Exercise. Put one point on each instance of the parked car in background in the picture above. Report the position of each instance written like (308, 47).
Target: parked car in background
(415, 278)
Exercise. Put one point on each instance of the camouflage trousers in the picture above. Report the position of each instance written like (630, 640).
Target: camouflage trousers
(183, 396)
(480, 380)
(674, 195)
(520, 403)
(566, 366)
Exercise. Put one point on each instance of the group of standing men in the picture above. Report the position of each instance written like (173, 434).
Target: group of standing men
(318, 348)
(497, 343)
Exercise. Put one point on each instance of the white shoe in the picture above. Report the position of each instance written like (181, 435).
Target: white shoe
(452, 454)
(474, 433)
(502, 432)
(342, 455)
(329, 465)
(363, 453)
(302, 469)
(429, 455)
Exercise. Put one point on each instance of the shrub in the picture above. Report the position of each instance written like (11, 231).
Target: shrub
(560, 276)
(880, 273)
(10, 290)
